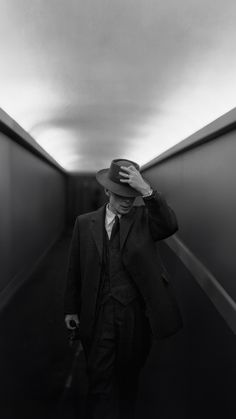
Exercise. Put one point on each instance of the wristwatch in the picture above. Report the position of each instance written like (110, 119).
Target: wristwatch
(149, 194)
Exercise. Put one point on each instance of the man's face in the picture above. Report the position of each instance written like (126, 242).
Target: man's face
(119, 204)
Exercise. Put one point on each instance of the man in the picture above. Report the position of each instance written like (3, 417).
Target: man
(118, 291)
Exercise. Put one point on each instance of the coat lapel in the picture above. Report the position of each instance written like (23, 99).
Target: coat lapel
(125, 225)
(97, 228)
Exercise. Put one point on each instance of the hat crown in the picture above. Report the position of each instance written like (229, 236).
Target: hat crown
(111, 179)
(115, 168)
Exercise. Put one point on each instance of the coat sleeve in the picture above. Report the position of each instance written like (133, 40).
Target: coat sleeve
(73, 277)
(162, 219)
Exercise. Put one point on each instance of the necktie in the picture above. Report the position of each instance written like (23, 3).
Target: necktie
(115, 228)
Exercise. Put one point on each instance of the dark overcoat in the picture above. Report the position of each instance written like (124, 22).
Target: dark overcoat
(139, 230)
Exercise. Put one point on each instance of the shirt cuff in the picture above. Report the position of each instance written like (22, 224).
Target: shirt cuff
(153, 196)
(150, 193)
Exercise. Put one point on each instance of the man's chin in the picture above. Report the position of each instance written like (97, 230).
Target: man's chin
(124, 210)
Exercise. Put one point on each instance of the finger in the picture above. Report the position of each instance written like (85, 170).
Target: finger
(127, 169)
(125, 180)
(71, 323)
(69, 326)
(124, 174)
(133, 169)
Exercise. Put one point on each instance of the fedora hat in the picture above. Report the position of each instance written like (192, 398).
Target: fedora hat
(110, 178)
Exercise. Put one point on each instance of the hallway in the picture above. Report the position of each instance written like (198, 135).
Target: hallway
(36, 356)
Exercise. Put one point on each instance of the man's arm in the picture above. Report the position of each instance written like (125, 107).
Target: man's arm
(72, 292)
(162, 219)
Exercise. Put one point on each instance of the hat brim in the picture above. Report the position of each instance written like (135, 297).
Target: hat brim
(117, 188)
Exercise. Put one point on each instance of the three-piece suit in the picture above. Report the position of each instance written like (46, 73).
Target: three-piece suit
(122, 294)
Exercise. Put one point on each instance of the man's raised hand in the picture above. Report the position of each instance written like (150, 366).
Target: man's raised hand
(134, 178)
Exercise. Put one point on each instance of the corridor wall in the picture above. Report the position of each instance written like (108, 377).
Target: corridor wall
(84, 194)
(32, 207)
(197, 177)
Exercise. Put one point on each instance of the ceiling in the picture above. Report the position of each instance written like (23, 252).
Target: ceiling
(93, 80)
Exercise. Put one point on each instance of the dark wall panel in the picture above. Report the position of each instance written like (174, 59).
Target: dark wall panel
(190, 375)
(200, 186)
(32, 209)
(195, 370)
(5, 213)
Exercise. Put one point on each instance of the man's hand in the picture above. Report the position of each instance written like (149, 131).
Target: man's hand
(70, 319)
(134, 178)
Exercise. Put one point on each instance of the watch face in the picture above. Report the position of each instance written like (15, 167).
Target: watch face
(150, 195)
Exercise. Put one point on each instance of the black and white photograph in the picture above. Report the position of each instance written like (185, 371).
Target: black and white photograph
(117, 209)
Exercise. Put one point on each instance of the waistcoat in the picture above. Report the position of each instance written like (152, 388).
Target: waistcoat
(115, 280)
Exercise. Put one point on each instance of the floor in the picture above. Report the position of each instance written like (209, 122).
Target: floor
(35, 353)
(43, 375)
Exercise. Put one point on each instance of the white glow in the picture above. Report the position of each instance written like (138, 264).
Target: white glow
(62, 144)
(91, 83)
(207, 93)
(30, 102)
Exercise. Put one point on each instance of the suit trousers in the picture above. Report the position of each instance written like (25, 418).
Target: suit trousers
(119, 348)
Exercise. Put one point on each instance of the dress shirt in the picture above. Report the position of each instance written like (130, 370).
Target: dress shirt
(109, 220)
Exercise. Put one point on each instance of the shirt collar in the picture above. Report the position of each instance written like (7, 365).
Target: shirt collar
(110, 215)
